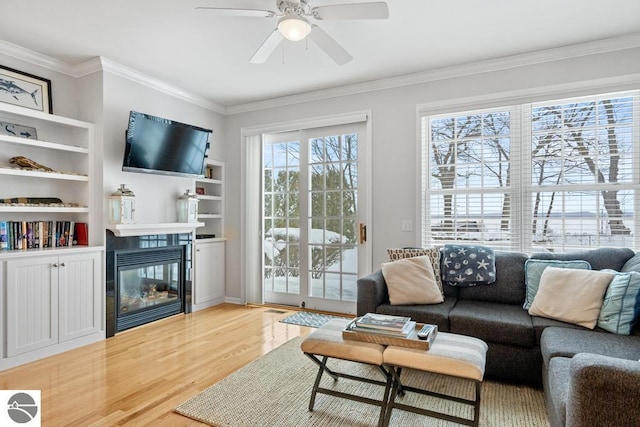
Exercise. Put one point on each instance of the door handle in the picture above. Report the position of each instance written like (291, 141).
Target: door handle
(363, 233)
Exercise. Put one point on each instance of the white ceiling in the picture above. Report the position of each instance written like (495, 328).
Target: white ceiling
(209, 56)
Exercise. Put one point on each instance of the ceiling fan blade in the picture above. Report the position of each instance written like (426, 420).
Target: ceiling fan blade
(267, 48)
(251, 8)
(329, 45)
(372, 10)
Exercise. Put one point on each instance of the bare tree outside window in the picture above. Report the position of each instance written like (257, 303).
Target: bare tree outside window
(575, 176)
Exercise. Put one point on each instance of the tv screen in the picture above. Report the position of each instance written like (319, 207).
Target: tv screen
(163, 146)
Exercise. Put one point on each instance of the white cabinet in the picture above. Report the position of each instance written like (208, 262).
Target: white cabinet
(208, 287)
(51, 299)
(32, 304)
(79, 295)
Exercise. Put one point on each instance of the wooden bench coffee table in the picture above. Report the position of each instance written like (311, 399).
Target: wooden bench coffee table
(327, 342)
(449, 354)
(454, 355)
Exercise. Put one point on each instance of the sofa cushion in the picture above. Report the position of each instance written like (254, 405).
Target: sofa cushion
(569, 295)
(493, 322)
(437, 314)
(599, 258)
(633, 264)
(468, 265)
(432, 253)
(541, 323)
(533, 269)
(566, 342)
(509, 286)
(411, 281)
(621, 305)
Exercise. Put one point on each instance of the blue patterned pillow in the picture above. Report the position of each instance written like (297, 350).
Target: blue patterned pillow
(621, 305)
(468, 265)
(533, 269)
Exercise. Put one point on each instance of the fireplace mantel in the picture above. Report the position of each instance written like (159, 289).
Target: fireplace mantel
(126, 230)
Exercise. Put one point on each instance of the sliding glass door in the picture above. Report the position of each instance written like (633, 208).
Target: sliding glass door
(313, 217)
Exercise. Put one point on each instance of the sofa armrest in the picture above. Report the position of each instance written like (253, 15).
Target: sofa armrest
(603, 390)
(372, 291)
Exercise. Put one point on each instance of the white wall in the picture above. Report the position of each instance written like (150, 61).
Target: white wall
(155, 194)
(394, 146)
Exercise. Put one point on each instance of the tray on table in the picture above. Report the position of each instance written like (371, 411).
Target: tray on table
(411, 341)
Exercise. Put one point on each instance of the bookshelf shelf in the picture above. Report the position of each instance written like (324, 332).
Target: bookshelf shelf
(45, 175)
(8, 139)
(42, 209)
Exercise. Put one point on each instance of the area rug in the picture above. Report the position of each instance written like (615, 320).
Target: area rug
(275, 389)
(306, 318)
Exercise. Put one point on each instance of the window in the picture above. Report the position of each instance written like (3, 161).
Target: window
(554, 175)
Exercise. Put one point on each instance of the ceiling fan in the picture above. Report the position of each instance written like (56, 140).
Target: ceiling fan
(294, 22)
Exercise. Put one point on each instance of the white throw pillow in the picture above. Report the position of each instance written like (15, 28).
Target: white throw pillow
(572, 296)
(411, 281)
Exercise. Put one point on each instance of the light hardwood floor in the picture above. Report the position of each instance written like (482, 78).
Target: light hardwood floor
(139, 376)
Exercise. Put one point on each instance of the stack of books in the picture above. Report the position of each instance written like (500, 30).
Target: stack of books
(373, 323)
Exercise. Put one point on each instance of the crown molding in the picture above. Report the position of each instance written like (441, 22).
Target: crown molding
(526, 59)
(98, 64)
(157, 84)
(35, 58)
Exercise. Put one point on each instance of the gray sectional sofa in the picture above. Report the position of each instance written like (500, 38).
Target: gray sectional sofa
(590, 377)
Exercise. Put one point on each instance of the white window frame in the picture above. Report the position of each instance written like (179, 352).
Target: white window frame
(521, 186)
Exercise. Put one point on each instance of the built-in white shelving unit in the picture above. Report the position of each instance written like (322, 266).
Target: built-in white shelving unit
(64, 285)
(209, 272)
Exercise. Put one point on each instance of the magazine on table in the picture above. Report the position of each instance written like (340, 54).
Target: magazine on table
(405, 332)
(382, 323)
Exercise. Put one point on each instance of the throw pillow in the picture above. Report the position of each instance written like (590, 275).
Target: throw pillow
(432, 253)
(533, 269)
(621, 306)
(632, 264)
(570, 295)
(468, 265)
(411, 281)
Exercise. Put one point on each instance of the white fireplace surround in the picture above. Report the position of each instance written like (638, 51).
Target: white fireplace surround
(126, 230)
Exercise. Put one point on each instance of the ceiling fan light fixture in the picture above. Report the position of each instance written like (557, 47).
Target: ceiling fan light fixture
(294, 27)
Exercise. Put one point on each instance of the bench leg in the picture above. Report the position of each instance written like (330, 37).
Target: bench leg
(322, 368)
(396, 391)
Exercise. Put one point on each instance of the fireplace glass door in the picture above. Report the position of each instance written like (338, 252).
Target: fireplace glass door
(149, 286)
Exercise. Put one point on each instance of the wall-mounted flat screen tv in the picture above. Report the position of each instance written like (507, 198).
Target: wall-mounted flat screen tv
(163, 146)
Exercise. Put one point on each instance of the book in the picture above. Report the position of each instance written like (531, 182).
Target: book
(81, 234)
(4, 235)
(405, 332)
(383, 322)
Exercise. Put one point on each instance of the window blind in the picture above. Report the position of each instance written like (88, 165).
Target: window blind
(554, 175)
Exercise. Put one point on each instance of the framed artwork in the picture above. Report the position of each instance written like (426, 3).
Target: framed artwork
(13, 129)
(200, 191)
(25, 90)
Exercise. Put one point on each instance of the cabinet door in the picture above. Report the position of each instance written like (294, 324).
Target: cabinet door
(32, 304)
(79, 295)
(209, 276)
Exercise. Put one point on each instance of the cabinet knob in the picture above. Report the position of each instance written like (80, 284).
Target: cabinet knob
(55, 264)
(63, 265)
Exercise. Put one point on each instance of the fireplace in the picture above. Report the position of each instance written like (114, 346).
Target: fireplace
(148, 278)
